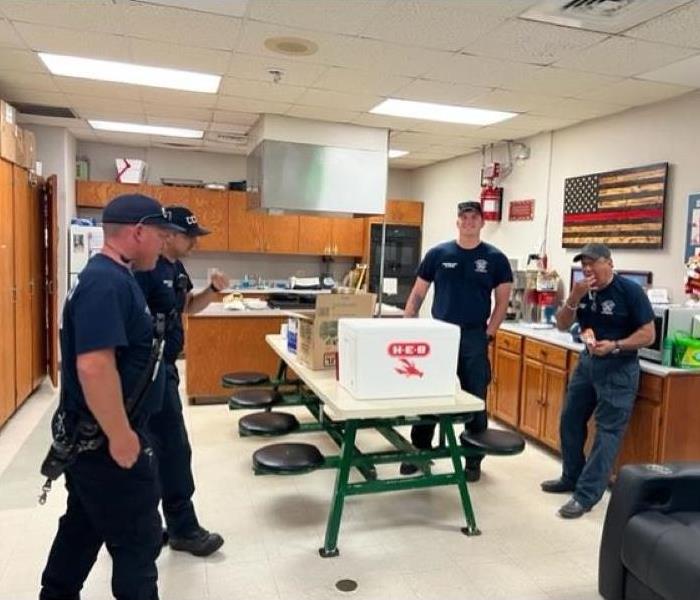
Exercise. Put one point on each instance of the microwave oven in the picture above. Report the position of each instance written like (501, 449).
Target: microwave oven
(667, 320)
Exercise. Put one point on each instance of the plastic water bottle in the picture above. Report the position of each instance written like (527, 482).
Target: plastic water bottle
(667, 352)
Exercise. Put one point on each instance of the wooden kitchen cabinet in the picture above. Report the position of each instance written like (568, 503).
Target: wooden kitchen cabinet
(506, 367)
(245, 228)
(7, 312)
(280, 234)
(331, 236)
(96, 194)
(406, 212)
(347, 236)
(314, 235)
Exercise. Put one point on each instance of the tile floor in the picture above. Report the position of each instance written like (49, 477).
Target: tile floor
(396, 546)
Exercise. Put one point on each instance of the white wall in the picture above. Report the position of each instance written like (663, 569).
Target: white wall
(662, 132)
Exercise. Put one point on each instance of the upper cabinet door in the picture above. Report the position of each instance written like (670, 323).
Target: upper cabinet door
(245, 228)
(347, 236)
(211, 209)
(281, 234)
(408, 212)
(96, 194)
(315, 235)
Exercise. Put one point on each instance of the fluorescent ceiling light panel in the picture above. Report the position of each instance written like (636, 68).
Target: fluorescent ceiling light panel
(397, 153)
(107, 70)
(146, 129)
(445, 113)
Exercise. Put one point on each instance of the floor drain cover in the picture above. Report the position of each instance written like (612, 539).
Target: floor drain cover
(346, 585)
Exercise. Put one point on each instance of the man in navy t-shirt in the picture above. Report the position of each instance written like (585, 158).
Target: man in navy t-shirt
(465, 272)
(616, 320)
(107, 349)
(168, 291)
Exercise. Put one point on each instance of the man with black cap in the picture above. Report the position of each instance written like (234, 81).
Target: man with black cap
(109, 358)
(168, 291)
(616, 320)
(465, 272)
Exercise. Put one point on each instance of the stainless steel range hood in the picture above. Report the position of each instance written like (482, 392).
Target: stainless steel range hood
(300, 165)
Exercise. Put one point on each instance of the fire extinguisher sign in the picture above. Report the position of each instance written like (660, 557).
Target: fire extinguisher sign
(521, 210)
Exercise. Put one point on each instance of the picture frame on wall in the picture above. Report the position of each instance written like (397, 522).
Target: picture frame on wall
(692, 238)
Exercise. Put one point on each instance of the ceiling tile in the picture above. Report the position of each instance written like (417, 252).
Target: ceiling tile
(105, 105)
(684, 72)
(295, 71)
(331, 47)
(51, 121)
(8, 35)
(263, 90)
(512, 101)
(680, 27)
(408, 163)
(441, 24)
(538, 123)
(363, 82)
(633, 92)
(529, 42)
(177, 26)
(425, 90)
(484, 72)
(104, 89)
(563, 82)
(108, 114)
(178, 98)
(232, 8)
(229, 117)
(331, 99)
(122, 139)
(509, 8)
(67, 41)
(335, 16)
(187, 58)
(453, 150)
(21, 94)
(323, 114)
(179, 112)
(572, 108)
(97, 15)
(24, 60)
(171, 122)
(251, 105)
(30, 81)
(624, 57)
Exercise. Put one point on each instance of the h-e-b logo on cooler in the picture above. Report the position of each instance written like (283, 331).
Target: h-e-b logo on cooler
(405, 351)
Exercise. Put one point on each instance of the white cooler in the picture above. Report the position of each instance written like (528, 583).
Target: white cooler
(397, 358)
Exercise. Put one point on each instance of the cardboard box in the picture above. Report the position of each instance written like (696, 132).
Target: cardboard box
(29, 145)
(317, 334)
(397, 358)
(131, 170)
(9, 132)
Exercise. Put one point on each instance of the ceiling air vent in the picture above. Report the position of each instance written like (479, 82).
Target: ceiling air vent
(43, 110)
(607, 16)
(178, 145)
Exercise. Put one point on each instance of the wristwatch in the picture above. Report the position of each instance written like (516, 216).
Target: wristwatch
(616, 349)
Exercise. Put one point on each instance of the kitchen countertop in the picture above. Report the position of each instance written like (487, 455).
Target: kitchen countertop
(199, 286)
(216, 309)
(564, 339)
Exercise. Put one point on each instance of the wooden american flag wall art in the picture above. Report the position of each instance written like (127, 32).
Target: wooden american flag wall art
(623, 209)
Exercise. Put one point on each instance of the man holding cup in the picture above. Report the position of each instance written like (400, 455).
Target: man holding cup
(168, 291)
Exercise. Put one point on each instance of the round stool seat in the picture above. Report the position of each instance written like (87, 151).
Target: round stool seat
(255, 398)
(244, 378)
(268, 423)
(494, 441)
(288, 458)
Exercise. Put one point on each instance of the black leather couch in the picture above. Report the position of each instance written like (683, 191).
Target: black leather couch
(650, 548)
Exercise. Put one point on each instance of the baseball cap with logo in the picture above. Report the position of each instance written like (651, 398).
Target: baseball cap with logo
(185, 219)
(593, 251)
(137, 209)
(469, 206)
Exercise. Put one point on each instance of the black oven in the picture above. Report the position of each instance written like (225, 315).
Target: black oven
(401, 259)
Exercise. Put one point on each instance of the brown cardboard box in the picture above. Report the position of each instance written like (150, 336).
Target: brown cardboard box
(9, 132)
(317, 336)
(20, 149)
(29, 146)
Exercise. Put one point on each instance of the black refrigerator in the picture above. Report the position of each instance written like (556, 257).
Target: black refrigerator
(401, 258)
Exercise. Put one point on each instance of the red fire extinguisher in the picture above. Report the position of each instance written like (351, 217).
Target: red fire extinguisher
(491, 202)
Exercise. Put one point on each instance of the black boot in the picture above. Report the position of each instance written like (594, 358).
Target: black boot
(199, 543)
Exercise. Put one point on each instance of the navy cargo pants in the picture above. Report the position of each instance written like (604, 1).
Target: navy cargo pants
(174, 453)
(604, 387)
(474, 373)
(110, 505)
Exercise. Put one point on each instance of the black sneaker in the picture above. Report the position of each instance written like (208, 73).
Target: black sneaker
(408, 469)
(557, 486)
(200, 543)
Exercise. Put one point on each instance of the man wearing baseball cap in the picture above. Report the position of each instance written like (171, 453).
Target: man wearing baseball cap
(465, 272)
(107, 344)
(168, 291)
(616, 320)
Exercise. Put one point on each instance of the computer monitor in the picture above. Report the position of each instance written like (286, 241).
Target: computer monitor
(643, 278)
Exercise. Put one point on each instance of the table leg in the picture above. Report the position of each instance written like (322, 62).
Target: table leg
(447, 427)
(347, 450)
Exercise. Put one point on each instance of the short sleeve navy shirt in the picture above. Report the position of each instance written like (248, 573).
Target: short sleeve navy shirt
(166, 288)
(464, 280)
(616, 311)
(105, 309)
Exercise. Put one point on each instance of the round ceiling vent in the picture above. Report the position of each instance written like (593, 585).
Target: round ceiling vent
(291, 46)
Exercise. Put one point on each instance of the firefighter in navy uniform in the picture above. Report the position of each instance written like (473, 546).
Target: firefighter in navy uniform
(616, 320)
(168, 291)
(465, 272)
(107, 347)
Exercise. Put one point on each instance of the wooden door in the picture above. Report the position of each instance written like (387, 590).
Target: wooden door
(245, 227)
(508, 368)
(38, 283)
(281, 234)
(211, 209)
(554, 390)
(315, 235)
(347, 236)
(7, 313)
(23, 298)
(51, 211)
(531, 397)
(407, 212)
(642, 438)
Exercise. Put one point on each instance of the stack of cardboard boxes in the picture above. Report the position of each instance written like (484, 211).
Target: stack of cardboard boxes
(17, 145)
